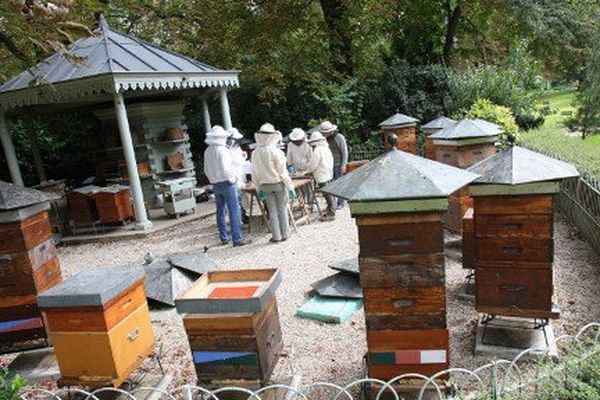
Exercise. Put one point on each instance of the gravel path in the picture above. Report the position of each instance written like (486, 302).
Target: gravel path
(318, 351)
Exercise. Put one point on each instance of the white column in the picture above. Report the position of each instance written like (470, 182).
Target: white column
(225, 108)
(9, 152)
(206, 114)
(141, 218)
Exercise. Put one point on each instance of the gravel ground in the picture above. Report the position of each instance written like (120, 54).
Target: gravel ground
(318, 351)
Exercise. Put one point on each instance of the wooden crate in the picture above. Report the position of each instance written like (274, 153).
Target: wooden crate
(514, 249)
(412, 270)
(464, 156)
(407, 138)
(515, 225)
(82, 207)
(401, 238)
(393, 353)
(468, 240)
(114, 205)
(500, 205)
(24, 235)
(405, 300)
(17, 283)
(239, 346)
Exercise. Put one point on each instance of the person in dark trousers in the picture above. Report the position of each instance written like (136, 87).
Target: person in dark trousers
(339, 150)
(218, 167)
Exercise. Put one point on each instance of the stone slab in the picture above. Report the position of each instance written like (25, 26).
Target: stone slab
(36, 365)
(507, 337)
(348, 265)
(342, 284)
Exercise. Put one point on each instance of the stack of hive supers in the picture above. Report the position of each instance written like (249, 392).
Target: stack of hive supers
(28, 262)
(82, 206)
(402, 275)
(114, 204)
(100, 326)
(405, 129)
(513, 230)
(232, 323)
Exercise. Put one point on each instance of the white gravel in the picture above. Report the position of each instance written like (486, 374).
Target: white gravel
(319, 351)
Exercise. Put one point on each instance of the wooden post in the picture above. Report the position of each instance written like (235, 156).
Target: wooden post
(141, 217)
(35, 148)
(225, 108)
(9, 151)
(206, 115)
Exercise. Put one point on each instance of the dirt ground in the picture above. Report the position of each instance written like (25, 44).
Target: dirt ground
(319, 351)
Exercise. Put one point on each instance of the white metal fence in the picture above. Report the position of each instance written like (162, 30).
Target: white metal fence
(500, 379)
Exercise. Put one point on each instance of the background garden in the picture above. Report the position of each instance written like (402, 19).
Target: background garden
(531, 65)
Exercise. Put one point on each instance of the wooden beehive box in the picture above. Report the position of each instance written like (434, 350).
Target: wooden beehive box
(114, 204)
(232, 323)
(429, 129)
(82, 205)
(404, 127)
(401, 259)
(513, 231)
(100, 325)
(468, 240)
(28, 263)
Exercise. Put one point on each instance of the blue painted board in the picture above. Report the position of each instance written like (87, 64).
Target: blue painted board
(224, 358)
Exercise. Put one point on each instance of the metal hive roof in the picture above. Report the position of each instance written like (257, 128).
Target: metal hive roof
(397, 175)
(14, 196)
(466, 129)
(398, 120)
(440, 122)
(518, 165)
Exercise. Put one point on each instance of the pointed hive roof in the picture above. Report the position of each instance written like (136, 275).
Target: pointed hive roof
(518, 165)
(440, 122)
(397, 120)
(397, 175)
(14, 196)
(468, 129)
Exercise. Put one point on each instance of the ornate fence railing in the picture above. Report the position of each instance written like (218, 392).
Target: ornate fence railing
(519, 378)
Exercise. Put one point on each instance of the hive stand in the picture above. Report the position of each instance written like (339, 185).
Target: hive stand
(28, 265)
(429, 129)
(461, 145)
(405, 129)
(401, 260)
(99, 324)
(513, 234)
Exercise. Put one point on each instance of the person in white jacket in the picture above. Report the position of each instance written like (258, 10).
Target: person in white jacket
(218, 167)
(269, 172)
(238, 158)
(321, 167)
(298, 152)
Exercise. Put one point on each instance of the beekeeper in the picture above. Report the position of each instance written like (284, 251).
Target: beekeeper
(339, 150)
(219, 169)
(269, 172)
(321, 167)
(238, 158)
(298, 152)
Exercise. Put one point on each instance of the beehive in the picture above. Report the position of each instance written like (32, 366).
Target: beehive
(232, 323)
(429, 129)
(114, 204)
(401, 259)
(100, 325)
(28, 262)
(462, 145)
(405, 128)
(82, 206)
(513, 232)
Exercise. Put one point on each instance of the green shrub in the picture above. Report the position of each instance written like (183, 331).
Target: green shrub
(10, 385)
(528, 122)
(503, 116)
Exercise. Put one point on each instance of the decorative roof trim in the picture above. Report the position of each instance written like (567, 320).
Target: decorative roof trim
(116, 82)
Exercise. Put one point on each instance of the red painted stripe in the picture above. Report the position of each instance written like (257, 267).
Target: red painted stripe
(408, 356)
(240, 292)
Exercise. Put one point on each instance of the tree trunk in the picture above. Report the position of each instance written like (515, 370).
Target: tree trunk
(453, 15)
(340, 42)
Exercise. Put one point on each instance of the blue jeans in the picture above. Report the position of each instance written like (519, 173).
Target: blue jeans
(337, 172)
(226, 195)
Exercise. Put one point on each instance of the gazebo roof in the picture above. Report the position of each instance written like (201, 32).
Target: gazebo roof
(468, 129)
(518, 165)
(440, 122)
(109, 61)
(398, 120)
(14, 196)
(397, 175)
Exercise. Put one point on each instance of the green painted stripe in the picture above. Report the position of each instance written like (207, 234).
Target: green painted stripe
(503, 190)
(465, 142)
(386, 207)
(385, 358)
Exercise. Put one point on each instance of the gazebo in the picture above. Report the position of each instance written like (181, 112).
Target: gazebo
(115, 68)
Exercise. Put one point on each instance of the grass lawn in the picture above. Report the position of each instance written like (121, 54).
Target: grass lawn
(551, 136)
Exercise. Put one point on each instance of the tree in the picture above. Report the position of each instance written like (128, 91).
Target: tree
(588, 96)
(335, 13)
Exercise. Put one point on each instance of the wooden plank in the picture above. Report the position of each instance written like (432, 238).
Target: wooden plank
(514, 289)
(521, 313)
(519, 225)
(380, 322)
(388, 372)
(514, 265)
(533, 204)
(403, 301)
(365, 220)
(394, 239)
(405, 270)
(513, 249)
(331, 310)
(419, 339)
(387, 207)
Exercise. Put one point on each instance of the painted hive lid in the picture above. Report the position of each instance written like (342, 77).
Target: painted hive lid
(397, 175)
(14, 196)
(467, 129)
(398, 120)
(518, 165)
(91, 288)
(440, 122)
